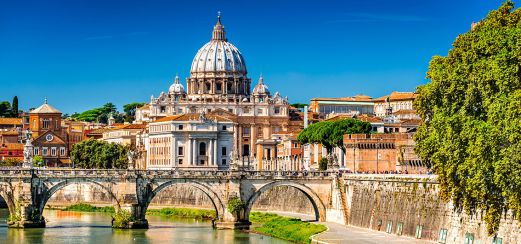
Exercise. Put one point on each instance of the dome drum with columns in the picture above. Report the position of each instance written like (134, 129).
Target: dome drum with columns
(218, 69)
(219, 85)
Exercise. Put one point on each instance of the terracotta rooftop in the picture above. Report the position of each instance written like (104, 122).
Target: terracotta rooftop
(10, 121)
(405, 111)
(13, 146)
(397, 96)
(9, 133)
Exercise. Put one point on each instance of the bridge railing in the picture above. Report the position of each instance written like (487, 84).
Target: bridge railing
(127, 173)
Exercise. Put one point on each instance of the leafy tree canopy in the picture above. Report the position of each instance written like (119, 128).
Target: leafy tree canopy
(299, 105)
(94, 154)
(331, 133)
(471, 117)
(130, 110)
(100, 114)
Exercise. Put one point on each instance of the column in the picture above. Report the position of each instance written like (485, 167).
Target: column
(239, 145)
(215, 152)
(194, 155)
(173, 153)
(210, 153)
(189, 149)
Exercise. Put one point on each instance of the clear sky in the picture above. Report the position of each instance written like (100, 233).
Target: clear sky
(82, 54)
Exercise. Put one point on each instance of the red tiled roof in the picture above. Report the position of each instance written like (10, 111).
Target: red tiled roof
(10, 121)
(397, 96)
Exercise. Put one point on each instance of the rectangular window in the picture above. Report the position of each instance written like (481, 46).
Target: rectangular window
(399, 228)
(259, 111)
(36, 151)
(224, 127)
(180, 127)
(389, 228)
(223, 151)
(419, 230)
(62, 151)
(469, 238)
(162, 109)
(180, 151)
(224, 161)
(277, 110)
(53, 151)
(230, 110)
(45, 151)
(443, 236)
(246, 131)
(180, 161)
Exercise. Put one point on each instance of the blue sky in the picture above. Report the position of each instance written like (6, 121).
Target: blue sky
(82, 54)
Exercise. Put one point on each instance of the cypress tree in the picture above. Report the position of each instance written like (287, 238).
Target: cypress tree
(14, 106)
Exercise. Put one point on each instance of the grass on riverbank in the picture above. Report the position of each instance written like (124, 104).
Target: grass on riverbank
(84, 207)
(290, 229)
(183, 212)
(165, 212)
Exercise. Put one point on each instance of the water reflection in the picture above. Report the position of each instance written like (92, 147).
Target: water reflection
(75, 227)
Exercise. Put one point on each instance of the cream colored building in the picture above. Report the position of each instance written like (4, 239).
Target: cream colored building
(123, 134)
(193, 140)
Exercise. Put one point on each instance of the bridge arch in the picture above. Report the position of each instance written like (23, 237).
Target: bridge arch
(216, 201)
(318, 205)
(50, 192)
(8, 198)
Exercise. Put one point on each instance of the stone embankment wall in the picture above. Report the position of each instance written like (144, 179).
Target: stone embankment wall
(386, 203)
(281, 198)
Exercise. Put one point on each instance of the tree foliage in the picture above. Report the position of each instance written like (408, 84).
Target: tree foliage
(100, 114)
(38, 161)
(5, 109)
(130, 110)
(11, 162)
(471, 117)
(94, 154)
(14, 107)
(331, 133)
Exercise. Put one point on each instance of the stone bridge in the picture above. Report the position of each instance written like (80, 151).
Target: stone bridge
(26, 191)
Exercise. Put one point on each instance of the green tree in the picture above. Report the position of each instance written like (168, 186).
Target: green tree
(94, 154)
(38, 161)
(11, 162)
(5, 109)
(298, 105)
(471, 117)
(130, 110)
(331, 133)
(14, 106)
(100, 115)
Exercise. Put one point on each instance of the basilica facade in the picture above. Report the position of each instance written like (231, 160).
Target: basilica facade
(219, 86)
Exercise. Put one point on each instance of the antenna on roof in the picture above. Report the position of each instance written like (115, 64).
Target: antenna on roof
(45, 101)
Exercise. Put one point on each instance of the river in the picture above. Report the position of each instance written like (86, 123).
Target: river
(79, 228)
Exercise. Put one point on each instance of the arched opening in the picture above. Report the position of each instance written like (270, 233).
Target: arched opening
(183, 194)
(74, 191)
(287, 191)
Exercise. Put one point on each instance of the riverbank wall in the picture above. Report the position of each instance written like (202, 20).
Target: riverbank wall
(409, 205)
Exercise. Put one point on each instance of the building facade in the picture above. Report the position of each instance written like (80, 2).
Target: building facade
(219, 84)
(192, 140)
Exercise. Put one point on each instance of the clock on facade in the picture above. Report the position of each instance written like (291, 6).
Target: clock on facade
(49, 137)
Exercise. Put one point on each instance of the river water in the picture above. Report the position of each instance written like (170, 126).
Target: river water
(79, 228)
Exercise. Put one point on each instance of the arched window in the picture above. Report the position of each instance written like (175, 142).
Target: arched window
(202, 149)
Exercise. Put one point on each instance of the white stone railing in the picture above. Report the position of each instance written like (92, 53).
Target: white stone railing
(170, 173)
